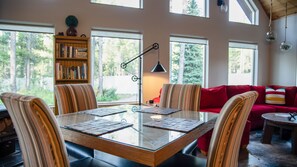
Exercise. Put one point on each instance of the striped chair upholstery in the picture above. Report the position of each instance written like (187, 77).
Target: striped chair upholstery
(39, 136)
(227, 133)
(228, 130)
(75, 97)
(181, 96)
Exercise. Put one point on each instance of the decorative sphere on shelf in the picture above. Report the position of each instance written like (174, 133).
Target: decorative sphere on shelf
(71, 21)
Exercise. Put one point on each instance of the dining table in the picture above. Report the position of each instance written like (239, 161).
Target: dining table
(138, 142)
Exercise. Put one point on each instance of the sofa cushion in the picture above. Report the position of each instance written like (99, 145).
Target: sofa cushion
(259, 109)
(213, 97)
(285, 109)
(256, 114)
(295, 101)
(275, 96)
(237, 89)
(290, 93)
(261, 94)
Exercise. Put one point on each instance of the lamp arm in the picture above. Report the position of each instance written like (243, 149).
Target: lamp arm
(153, 46)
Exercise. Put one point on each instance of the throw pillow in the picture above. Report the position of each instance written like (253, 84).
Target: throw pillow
(261, 94)
(237, 89)
(290, 93)
(213, 97)
(275, 96)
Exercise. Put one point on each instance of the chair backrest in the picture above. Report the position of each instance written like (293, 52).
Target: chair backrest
(181, 96)
(75, 97)
(228, 130)
(40, 138)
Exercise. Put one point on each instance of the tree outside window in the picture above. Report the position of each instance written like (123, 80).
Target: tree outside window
(241, 63)
(187, 60)
(26, 63)
(112, 83)
(189, 7)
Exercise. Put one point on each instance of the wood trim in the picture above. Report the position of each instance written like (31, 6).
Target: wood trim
(279, 7)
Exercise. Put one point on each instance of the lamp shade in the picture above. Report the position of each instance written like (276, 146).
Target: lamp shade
(158, 68)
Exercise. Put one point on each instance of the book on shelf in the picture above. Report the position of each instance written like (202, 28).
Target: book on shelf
(71, 72)
(65, 51)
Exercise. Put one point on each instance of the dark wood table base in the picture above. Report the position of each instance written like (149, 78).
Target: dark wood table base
(271, 122)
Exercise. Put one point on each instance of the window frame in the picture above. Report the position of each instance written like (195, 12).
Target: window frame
(33, 28)
(246, 45)
(191, 40)
(117, 34)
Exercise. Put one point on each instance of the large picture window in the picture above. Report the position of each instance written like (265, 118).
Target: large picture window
(112, 83)
(241, 65)
(189, 7)
(187, 60)
(26, 61)
(124, 3)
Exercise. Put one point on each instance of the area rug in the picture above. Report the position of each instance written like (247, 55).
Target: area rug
(276, 154)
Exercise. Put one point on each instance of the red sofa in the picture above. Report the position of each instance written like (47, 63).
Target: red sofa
(213, 99)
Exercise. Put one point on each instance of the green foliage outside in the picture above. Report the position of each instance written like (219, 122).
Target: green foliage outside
(30, 71)
(108, 95)
(187, 58)
(109, 53)
(192, 8)
(240, 60)
(193, 63)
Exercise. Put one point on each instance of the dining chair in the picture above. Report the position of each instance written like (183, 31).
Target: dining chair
(181, 96)
(227, 133)
(40, 137)
(75, 97)
(184, 97)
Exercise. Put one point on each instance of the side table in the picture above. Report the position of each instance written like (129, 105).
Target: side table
(272, 120)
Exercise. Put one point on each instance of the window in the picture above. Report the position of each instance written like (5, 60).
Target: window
(189, 7)
(241, 64)
(243, 11)
(26, 58)
(124, 3)
(187, 60)
(112, 83)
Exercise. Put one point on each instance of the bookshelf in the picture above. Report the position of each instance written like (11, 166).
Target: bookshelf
(72, 61)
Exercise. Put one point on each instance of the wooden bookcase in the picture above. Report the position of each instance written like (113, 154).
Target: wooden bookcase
(72, 61)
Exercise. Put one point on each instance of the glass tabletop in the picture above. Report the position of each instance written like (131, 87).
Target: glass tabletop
(138, 135)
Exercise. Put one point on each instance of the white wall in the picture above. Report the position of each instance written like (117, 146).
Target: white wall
(156, 24)
(284, 64)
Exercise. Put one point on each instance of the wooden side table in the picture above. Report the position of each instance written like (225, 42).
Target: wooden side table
(280, 120)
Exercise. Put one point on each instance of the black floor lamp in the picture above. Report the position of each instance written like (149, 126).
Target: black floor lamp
(157, 68)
